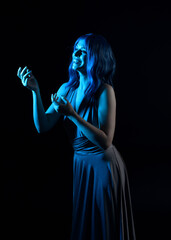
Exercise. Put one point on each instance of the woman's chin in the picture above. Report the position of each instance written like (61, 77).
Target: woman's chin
(79, 68)
(75, 66)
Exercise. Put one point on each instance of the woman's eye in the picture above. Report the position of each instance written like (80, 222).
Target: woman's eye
(83, 52)
(78, 51)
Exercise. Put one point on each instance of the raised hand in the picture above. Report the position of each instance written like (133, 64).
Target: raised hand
(27, 79)
(62, 105)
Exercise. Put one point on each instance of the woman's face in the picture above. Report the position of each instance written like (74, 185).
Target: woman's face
(79, 57)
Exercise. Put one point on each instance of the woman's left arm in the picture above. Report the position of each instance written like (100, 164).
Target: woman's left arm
(102, 136)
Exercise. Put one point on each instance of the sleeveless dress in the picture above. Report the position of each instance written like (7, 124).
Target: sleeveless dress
(101, 195)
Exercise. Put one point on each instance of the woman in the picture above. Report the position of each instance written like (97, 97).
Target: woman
(101, 196)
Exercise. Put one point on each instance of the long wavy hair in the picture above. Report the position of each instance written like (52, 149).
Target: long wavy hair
(101, 63)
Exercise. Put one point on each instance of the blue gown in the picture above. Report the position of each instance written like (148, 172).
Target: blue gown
(101, 195)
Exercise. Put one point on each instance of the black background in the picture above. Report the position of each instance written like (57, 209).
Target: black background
(37, 169)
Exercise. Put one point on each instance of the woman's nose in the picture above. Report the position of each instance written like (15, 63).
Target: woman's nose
(77, 53)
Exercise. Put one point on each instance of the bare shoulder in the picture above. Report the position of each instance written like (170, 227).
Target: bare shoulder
(107, 94)
(107, 111)
(63, 90)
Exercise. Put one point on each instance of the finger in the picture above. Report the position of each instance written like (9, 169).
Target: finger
(64, 99)
(23, 71)
(52, 99)
(56, 106)
(58, 103)
(24, 81)
(28, 70)
(57, 109)
(27, 74)
(55, 95)
(18, 72)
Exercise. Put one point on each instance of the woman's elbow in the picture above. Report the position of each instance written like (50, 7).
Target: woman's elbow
(107, 142)
(106, 145)
(41, 129)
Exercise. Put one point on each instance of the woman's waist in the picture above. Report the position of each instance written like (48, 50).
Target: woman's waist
(82, 145)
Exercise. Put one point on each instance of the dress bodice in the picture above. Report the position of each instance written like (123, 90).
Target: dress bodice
(89, 111)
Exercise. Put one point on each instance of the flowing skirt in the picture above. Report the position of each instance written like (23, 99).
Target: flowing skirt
(101, 197)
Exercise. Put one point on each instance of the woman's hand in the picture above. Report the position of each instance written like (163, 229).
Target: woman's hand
(62, 105)
(27, 79)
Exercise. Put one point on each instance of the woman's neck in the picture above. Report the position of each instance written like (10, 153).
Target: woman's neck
(83, 81)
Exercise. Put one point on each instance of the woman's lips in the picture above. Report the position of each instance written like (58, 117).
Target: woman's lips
(76, 61)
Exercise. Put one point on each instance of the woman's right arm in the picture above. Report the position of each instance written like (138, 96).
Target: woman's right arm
(43, 121)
